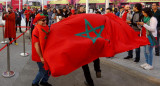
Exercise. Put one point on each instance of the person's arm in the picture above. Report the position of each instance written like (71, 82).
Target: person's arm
(38, 50)
(153, 25)
(135, 20)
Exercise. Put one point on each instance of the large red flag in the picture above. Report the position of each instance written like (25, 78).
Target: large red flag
(80, 39)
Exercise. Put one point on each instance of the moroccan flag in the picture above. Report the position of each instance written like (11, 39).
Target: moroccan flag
(80, 39)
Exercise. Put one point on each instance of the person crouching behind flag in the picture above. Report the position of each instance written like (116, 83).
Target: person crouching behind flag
(37, 50)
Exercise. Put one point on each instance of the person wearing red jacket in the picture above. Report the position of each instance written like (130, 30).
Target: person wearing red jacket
(10, 25)
(37, 50)
(27, 13)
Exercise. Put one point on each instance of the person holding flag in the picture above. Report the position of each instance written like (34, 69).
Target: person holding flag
(37, 49)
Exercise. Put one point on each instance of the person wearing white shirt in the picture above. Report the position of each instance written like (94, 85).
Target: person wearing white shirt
(150, 24)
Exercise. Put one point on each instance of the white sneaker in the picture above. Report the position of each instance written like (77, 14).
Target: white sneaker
(143, 65)
(149, 67)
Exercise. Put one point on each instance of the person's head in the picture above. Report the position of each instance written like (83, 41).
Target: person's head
(147, 12)
(121, 9)
(28, 8)
(98, 12)
(137, 7)
(16, 9)
(45, 7)
(42, 22)
(127, 7)
(81, 9)
(155, 6)
(40, 19)
(70, 7)
(54, 10)
(59, 11)
(64, 9)
(115, 10)
(108, 10)
(9, 9)
(49, 10)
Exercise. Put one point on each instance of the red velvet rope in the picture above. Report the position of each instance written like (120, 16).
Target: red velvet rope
(15, 38)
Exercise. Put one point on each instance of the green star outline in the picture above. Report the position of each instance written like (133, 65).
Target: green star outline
(92, 30)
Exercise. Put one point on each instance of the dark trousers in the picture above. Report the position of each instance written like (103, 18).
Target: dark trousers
(18, 24)
(87, 71)
(42, 74)
(10, 39)
(157, 47)
(27, 23)
(130, 53)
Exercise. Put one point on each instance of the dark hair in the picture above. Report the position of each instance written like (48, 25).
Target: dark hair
(155, 3)
(98, 12)
(138, 6)
(10, 7)
(121, 7)
(109, 9)
(148, 11)
(115, 10)
(55, 10)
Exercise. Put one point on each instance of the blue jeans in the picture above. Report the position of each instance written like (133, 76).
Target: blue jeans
(148, 53)
(42, 75)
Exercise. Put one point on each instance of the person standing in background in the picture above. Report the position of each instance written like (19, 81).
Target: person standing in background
(27, 13)
(50, 17)
(156, 14)
(18, 20)
(10, 25)
(54, 16)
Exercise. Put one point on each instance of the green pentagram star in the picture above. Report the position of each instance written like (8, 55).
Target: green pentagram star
(92, 30)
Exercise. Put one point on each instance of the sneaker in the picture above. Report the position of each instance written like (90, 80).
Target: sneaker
(144, 65)
(45, 84)
(148, 67)
(16, 43)
(98, 74)
(35, 85)
(128, 57)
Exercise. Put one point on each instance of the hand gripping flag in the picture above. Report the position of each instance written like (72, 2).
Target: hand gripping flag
(80, 39)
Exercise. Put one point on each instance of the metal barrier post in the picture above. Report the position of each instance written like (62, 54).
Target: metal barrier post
(24, 53)
(3, 42)
(8, 73)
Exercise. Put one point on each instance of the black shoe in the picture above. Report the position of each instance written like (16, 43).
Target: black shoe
(88, 84)
(136, 60)
(128, 57)
(157, 54)
(45, 84)
(98, 74)
(35, 85)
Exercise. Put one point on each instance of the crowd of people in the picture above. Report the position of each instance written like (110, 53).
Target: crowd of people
(145, 21)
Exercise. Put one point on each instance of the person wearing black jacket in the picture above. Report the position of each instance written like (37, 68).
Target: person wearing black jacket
(65, 13)
(156, 14)
(18, 20)
(89, 80)
(137, 17)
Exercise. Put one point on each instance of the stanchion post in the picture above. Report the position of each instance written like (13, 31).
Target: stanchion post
(8, 73)
(24, 52)
(3, 42)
